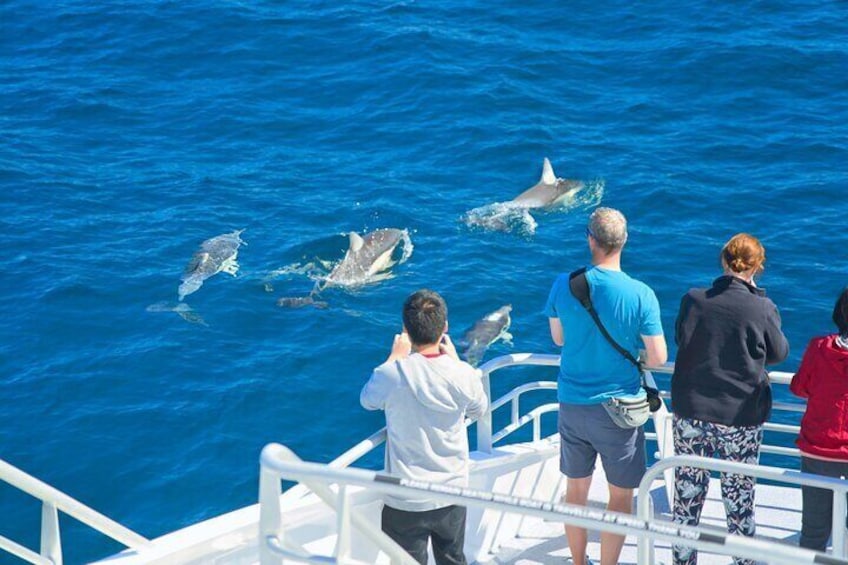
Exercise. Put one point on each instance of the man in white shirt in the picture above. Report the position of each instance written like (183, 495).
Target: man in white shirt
(426, 392)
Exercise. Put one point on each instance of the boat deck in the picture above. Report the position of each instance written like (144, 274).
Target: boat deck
(510, 513)
(541, 542)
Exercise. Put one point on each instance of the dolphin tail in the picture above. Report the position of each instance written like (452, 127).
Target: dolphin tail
(238, 233)
(184, 310)
(474, 354)
(191, 284)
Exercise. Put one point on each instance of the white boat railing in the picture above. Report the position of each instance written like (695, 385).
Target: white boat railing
(279, 463)
(54, 501)
(486, 438)
(839, 488)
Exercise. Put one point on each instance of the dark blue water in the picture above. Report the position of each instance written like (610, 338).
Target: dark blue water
(131, 132)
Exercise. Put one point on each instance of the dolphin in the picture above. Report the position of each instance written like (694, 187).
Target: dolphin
(184, 310)
(367, 256)
(546, 194)
(300, 302)
(215, 255)
(549, 191)
(485, 331)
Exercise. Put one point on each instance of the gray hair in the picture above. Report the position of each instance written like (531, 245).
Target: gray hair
(609, 228)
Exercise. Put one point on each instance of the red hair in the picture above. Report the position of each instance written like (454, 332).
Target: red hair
(743, 252)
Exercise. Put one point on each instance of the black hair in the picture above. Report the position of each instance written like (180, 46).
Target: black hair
(840, 313)
(424, 316)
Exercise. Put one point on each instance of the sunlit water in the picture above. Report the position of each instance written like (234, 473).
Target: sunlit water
(133, 132)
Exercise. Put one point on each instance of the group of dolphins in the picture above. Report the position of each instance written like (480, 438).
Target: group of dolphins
(370, 256)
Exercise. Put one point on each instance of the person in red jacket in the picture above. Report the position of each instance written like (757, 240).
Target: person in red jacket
(822, 379)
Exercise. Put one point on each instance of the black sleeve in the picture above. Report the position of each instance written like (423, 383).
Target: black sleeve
(777, 347)
(682, 314)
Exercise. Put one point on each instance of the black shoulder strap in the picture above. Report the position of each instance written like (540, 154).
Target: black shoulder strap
(580, 289)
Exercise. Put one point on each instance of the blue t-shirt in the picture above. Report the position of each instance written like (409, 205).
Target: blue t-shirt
(591, 370)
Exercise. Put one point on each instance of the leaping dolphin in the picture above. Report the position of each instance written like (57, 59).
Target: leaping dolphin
(549, 191)
(215, 255)
(367, 258)
(485, 331)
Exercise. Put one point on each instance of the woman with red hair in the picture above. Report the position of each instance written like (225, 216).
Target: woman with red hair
(726, 335)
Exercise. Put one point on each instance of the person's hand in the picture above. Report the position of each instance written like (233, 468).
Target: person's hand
(447, 347)
(401, 347)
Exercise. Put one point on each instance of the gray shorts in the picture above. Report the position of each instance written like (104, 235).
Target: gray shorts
(586, 431)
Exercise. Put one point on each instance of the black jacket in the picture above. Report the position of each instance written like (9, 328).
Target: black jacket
(726, 335)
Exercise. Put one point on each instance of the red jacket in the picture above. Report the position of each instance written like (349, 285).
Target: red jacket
(822, 379)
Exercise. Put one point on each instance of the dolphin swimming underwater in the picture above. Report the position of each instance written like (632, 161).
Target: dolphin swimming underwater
(215, 255)
(184, 310)
(549, 191)
(485, 331)
(366, 258)
(300, 302)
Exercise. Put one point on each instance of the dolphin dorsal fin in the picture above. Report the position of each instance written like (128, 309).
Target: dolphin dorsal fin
(356, 241)
(548, 176)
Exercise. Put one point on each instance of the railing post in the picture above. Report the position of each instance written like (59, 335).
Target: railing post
(343, 525)
(484, 423)
(270, 520)
(51, 542)
(644, 511)
(838, 530)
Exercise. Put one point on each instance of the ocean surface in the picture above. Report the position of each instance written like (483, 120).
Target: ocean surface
(130, 132)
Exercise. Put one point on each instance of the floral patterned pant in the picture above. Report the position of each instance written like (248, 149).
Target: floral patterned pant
(731, 443)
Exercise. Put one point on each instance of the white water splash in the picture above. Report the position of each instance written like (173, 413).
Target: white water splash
(512, 217)
(319, 270)
(502, 216)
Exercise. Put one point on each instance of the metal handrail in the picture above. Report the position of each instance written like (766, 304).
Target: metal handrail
(54, 501)
(486, 438)
(22, 552)
(484, 423)
(278, 463)
(273, 457)
(839, 487)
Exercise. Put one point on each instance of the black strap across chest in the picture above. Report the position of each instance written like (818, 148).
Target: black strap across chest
(579, 287)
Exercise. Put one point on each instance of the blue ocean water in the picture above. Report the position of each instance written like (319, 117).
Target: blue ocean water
(133, 131)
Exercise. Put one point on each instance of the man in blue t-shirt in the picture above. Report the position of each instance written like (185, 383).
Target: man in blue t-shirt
(592, 371)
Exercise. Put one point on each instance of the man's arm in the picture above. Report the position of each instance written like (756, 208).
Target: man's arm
(401, 347)
(556, 331)
(656, 351)
(447, 347)
(478, 403)
(376, 390)
(550, 311)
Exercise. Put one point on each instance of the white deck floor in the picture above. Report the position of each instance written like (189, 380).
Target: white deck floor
(777, 513)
